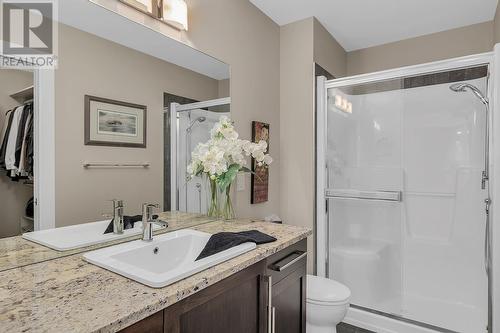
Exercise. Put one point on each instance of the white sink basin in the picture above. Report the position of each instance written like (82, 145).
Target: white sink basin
(78, 236)
(168, 258)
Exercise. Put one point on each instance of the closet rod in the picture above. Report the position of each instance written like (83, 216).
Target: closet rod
(115, 165)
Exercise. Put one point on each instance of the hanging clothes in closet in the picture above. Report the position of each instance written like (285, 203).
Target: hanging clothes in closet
(16, 149)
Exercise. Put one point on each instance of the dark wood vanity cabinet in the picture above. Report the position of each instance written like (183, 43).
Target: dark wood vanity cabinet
(233, 305)
(241, 302)
(288, 272)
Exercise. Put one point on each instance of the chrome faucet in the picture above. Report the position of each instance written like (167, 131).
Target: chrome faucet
(117, 216)
(148, 219)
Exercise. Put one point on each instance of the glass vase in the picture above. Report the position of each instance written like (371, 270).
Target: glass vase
(213, 200)
(227, 204)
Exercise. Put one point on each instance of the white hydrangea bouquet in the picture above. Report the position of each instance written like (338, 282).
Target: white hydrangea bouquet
(220, 159)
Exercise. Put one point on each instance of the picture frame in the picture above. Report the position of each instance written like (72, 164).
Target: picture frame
(260, 175)
(114, 123)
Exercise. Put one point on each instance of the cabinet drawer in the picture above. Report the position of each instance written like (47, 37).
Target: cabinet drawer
(283, 263)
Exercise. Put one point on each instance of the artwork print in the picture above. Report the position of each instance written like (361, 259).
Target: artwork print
(260, 177)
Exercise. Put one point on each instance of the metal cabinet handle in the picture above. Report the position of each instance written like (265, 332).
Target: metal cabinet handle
(278, 268)
(273, 318)
(270, 308)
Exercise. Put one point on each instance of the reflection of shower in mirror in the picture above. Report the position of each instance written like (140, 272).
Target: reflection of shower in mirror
(193, 128)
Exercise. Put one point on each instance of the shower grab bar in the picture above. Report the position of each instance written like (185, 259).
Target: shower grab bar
(394, 196)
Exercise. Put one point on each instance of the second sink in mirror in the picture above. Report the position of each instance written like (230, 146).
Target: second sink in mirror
(81, 235)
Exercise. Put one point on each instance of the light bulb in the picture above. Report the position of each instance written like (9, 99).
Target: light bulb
(175, 12)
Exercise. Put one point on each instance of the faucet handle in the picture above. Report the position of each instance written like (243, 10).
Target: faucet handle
(117, 203)
(149, 206)
(147, 210)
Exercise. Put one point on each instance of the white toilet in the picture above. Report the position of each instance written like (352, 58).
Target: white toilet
(327, 304)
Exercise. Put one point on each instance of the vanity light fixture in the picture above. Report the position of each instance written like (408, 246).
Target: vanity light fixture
(171, 12)
(143, 5)
(175, 12)
(343, 104)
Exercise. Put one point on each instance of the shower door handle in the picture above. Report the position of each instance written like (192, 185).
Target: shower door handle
(487, 238)
(395, 196)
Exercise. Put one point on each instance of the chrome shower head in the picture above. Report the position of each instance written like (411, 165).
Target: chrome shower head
(197, 120)
(463, 87)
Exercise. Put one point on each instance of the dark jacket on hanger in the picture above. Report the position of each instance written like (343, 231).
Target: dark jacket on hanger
(30, 152)
(3, 147)
(20, 133)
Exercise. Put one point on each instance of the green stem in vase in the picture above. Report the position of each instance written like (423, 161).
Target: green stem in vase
(228, 211)
(213, 210)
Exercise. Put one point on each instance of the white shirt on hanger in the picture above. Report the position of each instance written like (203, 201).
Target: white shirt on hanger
(10, 152)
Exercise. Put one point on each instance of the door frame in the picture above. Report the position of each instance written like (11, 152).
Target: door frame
(44, 149)
(44, 146)
(494, 97)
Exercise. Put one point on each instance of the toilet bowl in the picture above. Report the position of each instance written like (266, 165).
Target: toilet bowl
(326, 304)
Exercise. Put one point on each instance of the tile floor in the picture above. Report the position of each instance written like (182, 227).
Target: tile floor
(345, 328)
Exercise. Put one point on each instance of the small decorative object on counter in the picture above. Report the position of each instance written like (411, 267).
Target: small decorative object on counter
(220, 159)
(273, 218)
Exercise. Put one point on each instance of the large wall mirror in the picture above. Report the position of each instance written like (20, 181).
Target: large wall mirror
(113, 128)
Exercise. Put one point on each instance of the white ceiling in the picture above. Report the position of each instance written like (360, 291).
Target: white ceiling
(358, 24)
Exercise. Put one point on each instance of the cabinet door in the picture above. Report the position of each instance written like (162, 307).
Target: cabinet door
(289, 271)
(289, 303)
(236, 304)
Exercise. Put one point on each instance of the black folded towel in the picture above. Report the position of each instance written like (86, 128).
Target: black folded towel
(128, 223)
(226, 240)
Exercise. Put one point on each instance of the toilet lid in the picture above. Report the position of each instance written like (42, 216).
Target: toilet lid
(324, 290)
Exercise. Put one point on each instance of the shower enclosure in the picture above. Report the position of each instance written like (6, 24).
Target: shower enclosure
(402, 160)
(191, 124)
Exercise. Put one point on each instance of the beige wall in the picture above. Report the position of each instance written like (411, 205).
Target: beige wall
(223, 88)
(296, 122)
(459, 42)
(249, 42)
(302, 44)
(13, 195)
(239, 34)
(496, 26)
(94, 66)
(328, 53)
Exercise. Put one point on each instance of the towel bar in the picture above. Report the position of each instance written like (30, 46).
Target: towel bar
(87, 165)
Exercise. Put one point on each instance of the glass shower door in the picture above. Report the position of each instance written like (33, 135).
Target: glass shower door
(364, 191)
(193, 128)
(406, 215)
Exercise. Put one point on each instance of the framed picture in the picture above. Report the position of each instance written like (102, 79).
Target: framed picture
(260, 180)
(114, 123)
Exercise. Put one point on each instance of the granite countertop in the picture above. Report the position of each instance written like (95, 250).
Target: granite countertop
(70, 295)
(17, 252)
